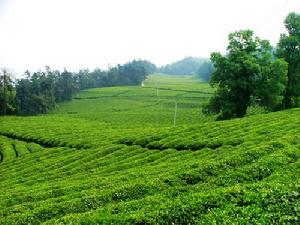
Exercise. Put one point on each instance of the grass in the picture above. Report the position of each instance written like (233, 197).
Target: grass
(112, 156)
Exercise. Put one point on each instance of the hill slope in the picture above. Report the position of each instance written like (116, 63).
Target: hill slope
(151, 105)
(78, 167)
(185, 66)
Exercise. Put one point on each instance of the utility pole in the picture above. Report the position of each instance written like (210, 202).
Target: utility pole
(175, 113)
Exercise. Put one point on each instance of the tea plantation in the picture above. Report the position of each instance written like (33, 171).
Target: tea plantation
(113, 156)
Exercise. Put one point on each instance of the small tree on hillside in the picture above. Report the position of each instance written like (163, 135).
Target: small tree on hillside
(247, 73)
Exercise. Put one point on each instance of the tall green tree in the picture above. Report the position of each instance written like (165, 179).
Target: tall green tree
(247, 73)
(289, 49)
(66, 86)
(24, 96)
(7, 93)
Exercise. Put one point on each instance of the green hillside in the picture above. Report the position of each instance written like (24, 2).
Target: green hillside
(113, 156)
(151, 105)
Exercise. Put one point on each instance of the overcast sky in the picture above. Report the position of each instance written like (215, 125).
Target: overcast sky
(94, 33)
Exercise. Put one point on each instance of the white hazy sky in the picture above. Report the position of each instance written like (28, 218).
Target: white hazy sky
(94, 33)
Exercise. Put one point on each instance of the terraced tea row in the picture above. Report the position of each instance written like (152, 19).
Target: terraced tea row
(12, 148)
(216, 134)
(79, 133)
(112, 156)
(54, 131)
(113, 183)
(98, 192)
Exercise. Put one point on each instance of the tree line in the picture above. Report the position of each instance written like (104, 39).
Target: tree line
(40, 91)
(252, 72)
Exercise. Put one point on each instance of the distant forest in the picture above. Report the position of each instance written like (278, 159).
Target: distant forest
(40, 91)
(201, 67)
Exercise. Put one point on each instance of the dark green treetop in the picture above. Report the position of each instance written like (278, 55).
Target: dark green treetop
(247, 73)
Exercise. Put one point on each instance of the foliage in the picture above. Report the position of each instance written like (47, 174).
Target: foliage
(7, 93)
(41, 91)
(131, 73)
(246, 73)
(288, 48)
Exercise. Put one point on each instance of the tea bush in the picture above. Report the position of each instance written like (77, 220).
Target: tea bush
(119, 160)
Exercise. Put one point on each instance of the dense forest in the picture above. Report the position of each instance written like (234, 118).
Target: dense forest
(38, 92)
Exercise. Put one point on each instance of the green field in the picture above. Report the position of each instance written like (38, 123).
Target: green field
(113, 156)
(152, 105)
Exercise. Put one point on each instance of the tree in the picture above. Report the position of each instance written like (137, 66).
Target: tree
(40, 91)
(247, 73)
(7, 93)
(66, 86)
(23, 95)
(288, 48)
(31, 97)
